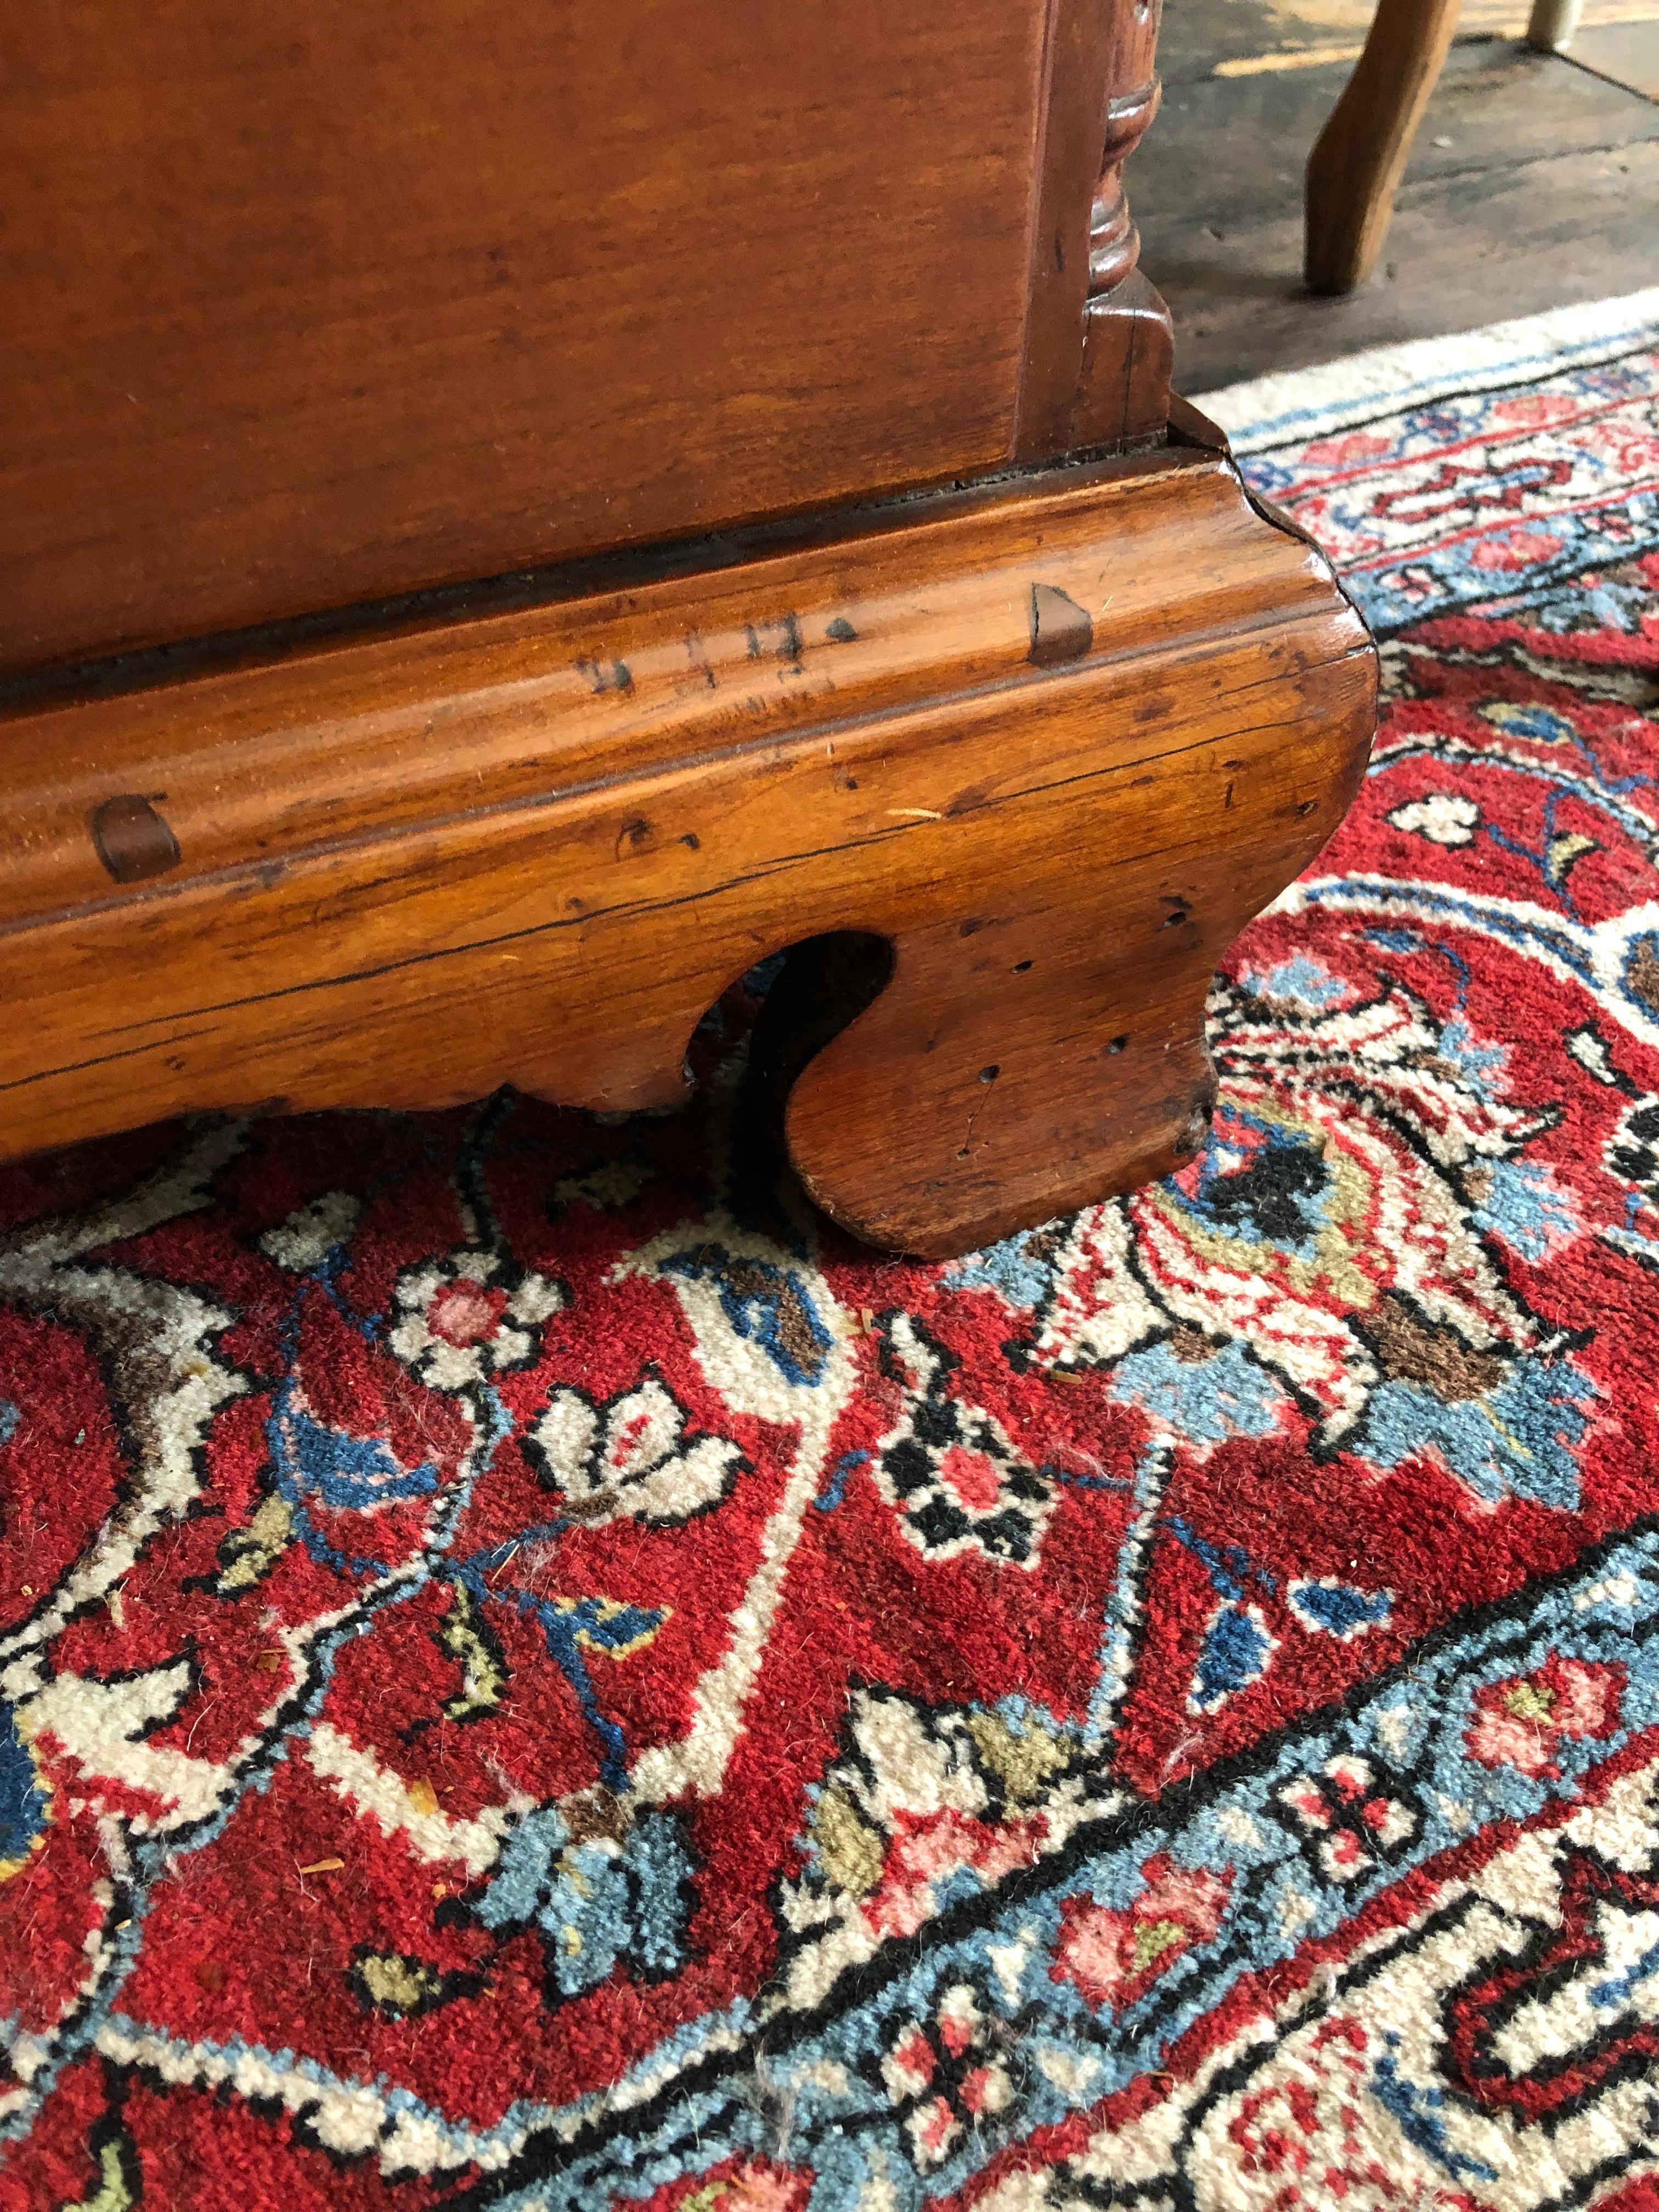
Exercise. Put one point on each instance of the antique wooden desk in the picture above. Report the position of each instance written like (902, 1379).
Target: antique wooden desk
(510, 514)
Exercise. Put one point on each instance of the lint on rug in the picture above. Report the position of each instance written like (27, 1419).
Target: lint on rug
(536, 1678)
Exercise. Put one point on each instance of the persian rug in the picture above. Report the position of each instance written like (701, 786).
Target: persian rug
(538, 1675)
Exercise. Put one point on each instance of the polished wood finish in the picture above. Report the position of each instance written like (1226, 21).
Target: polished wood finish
(311, 309)
(1129, 356)
(384, 723)
(310, 305)
(1076, 88)
(1129, 345)
(1100, 346)
(1355, 168)
(1050, 742)
(1133, 96)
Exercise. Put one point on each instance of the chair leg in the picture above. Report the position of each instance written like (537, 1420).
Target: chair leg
(1355, 169)
(1553, 25)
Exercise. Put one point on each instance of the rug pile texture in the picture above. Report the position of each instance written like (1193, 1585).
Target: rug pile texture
(536, 1676)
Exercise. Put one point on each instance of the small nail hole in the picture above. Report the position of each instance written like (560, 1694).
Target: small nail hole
(989, 1074)
(1021, 967)
(1117, 1044)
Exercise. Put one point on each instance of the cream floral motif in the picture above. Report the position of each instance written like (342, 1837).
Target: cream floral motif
(923, 1797)
(1443, 818)
(458, 1323)
(631, 1457)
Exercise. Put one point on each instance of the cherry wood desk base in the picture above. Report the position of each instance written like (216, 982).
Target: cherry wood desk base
(1012, 763)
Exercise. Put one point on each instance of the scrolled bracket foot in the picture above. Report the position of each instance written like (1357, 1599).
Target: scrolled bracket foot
(1020, 762)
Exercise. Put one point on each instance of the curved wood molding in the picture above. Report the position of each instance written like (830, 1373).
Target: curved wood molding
(1053, 741)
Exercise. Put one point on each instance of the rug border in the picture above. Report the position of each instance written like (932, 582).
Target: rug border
(1291, 405)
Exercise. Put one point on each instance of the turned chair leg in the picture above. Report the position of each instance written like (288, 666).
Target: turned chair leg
(1553, 25)
(1354, 170)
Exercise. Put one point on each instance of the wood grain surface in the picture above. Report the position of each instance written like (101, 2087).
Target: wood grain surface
(1099, 345)
(1052, 742)
(308, 305)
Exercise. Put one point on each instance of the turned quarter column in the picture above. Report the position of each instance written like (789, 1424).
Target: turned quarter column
(1129, 347)
(1099, 350)
(1131, 98)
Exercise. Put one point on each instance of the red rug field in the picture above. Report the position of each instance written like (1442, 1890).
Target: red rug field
(537, 1676)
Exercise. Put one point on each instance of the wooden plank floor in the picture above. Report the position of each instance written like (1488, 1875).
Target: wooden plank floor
(1534, 182)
